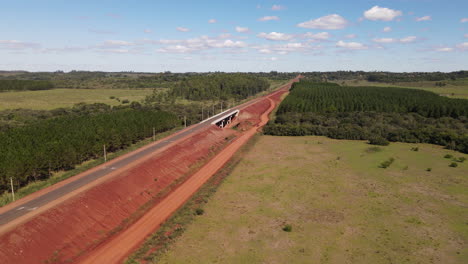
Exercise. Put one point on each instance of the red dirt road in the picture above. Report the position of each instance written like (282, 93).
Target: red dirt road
(120, 246)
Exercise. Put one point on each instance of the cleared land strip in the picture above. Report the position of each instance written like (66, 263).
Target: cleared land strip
(120, 246)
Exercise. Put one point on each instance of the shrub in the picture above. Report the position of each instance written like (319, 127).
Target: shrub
(125, 101)
(112, 97)
(429, 169)
(373, 149)
(386, 163)
(199, 211)
(460, 159)
(448, 156)
(453, 165)
(415, 149)
(287, 228)
(378, 141)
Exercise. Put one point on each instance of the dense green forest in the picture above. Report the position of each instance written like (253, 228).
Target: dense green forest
(220, 86)
(31, 152)
(372, 113)
(24, 85)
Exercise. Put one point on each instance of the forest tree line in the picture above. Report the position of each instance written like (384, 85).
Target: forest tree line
(368, 113)
(32, 152)
(24, 85)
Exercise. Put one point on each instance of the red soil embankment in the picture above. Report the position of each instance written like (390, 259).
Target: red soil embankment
(81, 222)
(119, 247)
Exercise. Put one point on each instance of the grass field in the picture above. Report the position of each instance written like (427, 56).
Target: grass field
(453, 89)
(55, 98)
(341, 206)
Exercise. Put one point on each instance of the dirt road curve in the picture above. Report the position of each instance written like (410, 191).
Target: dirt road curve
(120, 246)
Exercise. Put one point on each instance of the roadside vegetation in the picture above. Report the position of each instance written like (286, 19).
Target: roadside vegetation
(293, 199)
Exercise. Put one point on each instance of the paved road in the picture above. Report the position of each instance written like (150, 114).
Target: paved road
(48, 197)
(32, 205)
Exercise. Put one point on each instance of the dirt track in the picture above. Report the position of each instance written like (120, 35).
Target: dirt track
(117, 249)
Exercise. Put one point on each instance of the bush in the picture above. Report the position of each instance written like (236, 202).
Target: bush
(378, 141)
(199, 211)
(287, 228)
(460, 159)
(386, 163)
(125, 101)
(415, 149)
(373, 149)
(429, 169)
(448, 156)
(112, 97)
(453, 165)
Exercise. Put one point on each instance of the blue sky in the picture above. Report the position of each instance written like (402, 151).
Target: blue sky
(242, 35)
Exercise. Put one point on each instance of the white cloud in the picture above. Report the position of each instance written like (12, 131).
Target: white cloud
(212, 21)
(275, 36)
(265, 51)
(385, 40)
(273, 58)
(198, 44)
(242, 29)
(387, 29)
(463, 46)
(18, 45)
(464, 20)
(466, 35)
(424, 18)
(382, 13)
(408, 39)
(333, 21)
(148, 31)
(444, 49)
(351, 36)
(318, 36)
(117, 43)
(351, 45)
(268, 18)
(182, 29)
(118, 51)
(277, 7)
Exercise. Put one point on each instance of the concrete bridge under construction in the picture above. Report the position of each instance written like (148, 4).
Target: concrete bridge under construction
(225, 118)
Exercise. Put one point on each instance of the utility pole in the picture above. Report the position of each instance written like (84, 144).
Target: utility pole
(221, 106)
(213, 110)
(154, 134)
(12, 189)
(105, 154)
(185, 121)
(202, 113)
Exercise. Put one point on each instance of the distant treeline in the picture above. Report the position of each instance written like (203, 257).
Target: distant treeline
(31, 152)
(387, 77)
(220, 86)
(331, 97)
(24, 85)
(367, 113)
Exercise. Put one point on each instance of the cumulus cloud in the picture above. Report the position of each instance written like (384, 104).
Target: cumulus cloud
(212, 21)
(18, 45)
(275, 36)
(117, 43)
(387, 29)
(351, 45)
(466, 36)
(408, 39)
(424, 18)
(444, 49)
(317, 36)
(148, 31)
(382, 13)
(385, 40)
(283, 49)
(333, 21)
(464, 20)
(268, 18)
(182, 29)
(351, 36)
(277, 7)
(463, 46)
(198, 44)
(242, 29)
